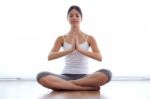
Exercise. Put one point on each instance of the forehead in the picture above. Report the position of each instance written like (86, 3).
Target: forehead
(74, 11)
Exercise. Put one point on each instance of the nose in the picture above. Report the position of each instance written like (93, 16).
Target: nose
(73, 18)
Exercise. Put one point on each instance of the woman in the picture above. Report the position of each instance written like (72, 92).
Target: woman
(75, 74)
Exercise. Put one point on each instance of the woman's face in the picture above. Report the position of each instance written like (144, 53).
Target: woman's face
(74, 17)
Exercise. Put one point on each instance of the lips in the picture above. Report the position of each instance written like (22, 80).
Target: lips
(73, 21)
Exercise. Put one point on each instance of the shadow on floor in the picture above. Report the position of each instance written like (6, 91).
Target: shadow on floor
(74, 95)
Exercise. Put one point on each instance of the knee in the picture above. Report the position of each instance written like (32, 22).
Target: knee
(107, 75)
(44, 79)
(41, 75)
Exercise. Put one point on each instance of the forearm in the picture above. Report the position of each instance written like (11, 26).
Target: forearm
(92, 55)
(54, 55)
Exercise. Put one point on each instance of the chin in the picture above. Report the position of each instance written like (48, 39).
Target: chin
(74, 25)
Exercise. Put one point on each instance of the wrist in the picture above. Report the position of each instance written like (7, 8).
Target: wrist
(71, 50)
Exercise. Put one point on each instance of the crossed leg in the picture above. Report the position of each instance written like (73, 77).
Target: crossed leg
(56, 83)
(96, 79)
(90, 82)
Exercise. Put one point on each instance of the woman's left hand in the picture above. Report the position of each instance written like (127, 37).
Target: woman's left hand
(77, 43)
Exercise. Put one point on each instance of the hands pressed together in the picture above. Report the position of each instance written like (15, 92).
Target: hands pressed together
(75, 42)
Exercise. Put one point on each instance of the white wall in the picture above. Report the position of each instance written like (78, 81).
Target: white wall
(28, 29)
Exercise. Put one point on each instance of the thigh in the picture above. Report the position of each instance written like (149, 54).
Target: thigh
(98, 75)
(45, 73)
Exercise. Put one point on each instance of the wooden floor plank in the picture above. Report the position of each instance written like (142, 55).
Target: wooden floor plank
(112, 90)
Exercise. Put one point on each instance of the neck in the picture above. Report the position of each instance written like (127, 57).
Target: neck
(75, 29)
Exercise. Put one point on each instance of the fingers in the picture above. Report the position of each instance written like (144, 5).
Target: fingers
(73, 42)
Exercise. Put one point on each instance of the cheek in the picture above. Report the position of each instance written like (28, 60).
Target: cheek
(79, 21)
(69, 21)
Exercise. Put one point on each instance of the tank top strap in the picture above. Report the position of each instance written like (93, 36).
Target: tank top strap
(63, 37)
(87, 37)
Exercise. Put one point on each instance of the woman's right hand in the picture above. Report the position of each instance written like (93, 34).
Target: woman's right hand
(74, 42)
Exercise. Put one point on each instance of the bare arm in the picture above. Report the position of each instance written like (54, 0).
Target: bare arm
(55, 53)
(95, 54)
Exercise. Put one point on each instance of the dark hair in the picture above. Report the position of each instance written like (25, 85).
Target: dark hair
(76, 8)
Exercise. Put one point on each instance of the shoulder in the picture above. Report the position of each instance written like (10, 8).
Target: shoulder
(90, 38)
(60, 39)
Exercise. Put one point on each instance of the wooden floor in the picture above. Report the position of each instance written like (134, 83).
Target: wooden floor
(113, 90)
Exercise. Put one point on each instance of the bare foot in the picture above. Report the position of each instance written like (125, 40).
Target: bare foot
(88, 87)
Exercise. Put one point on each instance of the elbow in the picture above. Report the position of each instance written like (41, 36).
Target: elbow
(99, 59)
(49, 58)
